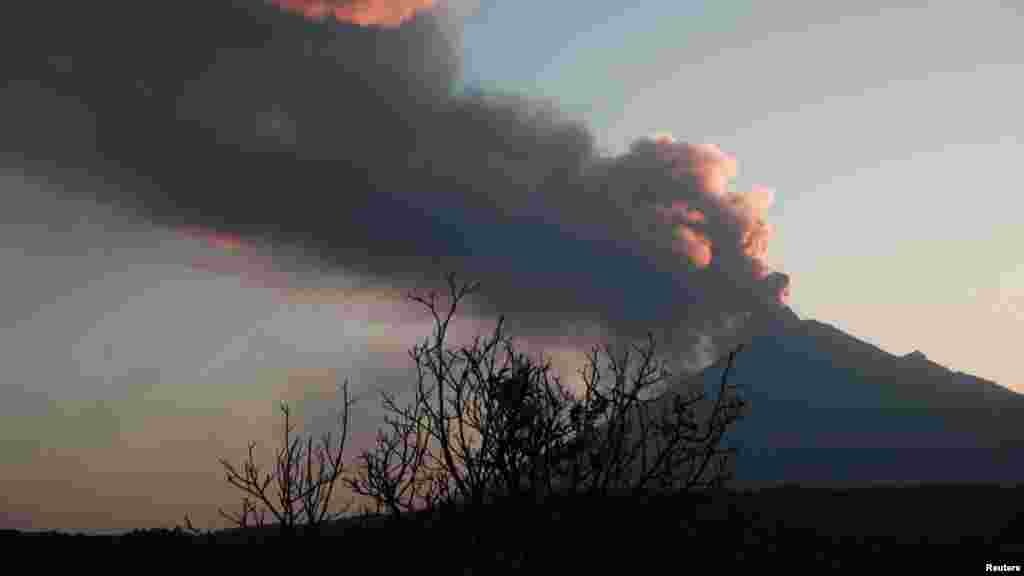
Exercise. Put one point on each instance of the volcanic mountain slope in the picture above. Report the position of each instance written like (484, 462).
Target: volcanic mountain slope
(828, 408)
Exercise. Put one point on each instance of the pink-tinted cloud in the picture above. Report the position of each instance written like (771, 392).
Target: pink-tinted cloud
(382, 13)
(713, 227)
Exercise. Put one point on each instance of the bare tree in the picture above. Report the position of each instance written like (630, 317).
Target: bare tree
(628, 443)
(488, 421)
(298, 491)
(394, 472)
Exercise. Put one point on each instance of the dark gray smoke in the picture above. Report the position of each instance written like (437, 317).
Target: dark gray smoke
(348, 142)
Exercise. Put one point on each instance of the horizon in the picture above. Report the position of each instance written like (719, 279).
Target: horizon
(238, 221)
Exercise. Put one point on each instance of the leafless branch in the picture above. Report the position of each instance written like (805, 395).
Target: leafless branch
(486, 421)
(300, 488)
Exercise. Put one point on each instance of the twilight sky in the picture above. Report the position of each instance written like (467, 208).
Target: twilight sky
(891, 135)
(177, 255)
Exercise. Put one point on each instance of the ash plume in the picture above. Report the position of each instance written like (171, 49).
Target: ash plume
(349, 142)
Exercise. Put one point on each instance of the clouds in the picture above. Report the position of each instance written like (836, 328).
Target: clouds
(386, 13)
(275, 148)
(346, 141)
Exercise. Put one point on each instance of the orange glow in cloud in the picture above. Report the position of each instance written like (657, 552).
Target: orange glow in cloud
(694, 216)
(694, 244)
(382, 13)
(727, 221)
(226, 242)
(233, 256)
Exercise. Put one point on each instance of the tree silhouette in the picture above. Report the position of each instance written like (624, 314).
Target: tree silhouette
(486, 422)
(299, 489)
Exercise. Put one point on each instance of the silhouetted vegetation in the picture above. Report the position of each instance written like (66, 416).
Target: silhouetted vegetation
(956, 528)
(495, 453)
(298, 491)
(488, 422)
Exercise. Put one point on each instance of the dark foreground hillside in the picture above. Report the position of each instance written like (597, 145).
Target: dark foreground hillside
(952, 525)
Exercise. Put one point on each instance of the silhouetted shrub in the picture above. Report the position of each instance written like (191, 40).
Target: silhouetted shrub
(487, 422)
(298, 491)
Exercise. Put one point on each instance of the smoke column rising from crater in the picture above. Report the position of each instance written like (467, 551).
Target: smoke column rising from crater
(272, 128)
(720, 224)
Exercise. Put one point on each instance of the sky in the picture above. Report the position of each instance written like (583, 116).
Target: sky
(886, 131)
(178, 258)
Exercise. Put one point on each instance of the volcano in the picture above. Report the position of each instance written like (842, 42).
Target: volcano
(826, 408)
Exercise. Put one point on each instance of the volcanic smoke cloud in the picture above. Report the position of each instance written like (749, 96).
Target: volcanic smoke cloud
(253, 120)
